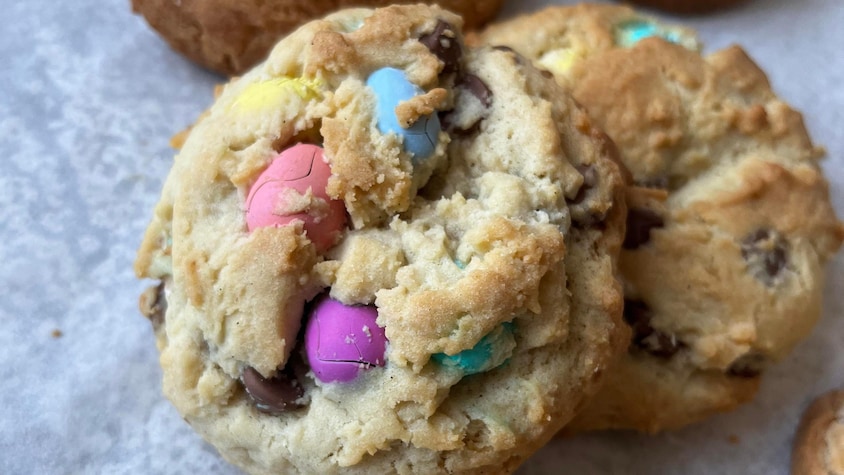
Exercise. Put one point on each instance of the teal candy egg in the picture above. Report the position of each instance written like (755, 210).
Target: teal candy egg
(391, 87)
(632, 32)
(490, 352)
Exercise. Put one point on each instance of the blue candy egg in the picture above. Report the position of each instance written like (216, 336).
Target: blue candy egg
(485, 355)
(630, 33)
(391, 87)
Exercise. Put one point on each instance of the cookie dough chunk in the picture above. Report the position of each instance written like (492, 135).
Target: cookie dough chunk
(369, 266)
(819, 442)
(231, 36)
(729, 226)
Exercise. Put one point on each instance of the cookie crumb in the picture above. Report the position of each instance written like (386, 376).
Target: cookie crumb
(56, 333)
(177, 141)
(409, 111)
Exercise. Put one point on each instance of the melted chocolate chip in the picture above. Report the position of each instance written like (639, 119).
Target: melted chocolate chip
(517, 58)
(278, 394)
(589, 204)
(466, 118)
(477, 88)
(748, 366)
(645, 337)
(659, 183)
(640, 222)
(153, 304)
(610, 149)
(766, 254)
(506, 49)
(590, 179)
(442, 42)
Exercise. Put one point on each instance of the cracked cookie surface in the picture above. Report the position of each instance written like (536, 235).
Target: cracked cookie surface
(456, 313)
(729, 226)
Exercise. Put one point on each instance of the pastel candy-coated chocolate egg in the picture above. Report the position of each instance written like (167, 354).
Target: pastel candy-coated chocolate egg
(273, 93)
(392, 87)
(341, 340)
(293, 188)
(484, 356)
(560, 61)
(630, 33)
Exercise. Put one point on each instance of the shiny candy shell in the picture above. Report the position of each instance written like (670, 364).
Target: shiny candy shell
(632, 32)
(273, 93)
(560, 61)
(342, 340)
(492, 351)
(392, 87)
(293, 188)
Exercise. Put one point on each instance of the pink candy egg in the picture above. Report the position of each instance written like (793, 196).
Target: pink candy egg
(342, 340)
(293, 188)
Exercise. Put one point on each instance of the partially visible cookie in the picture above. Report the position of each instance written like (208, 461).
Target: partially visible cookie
(556, 38)
(368, 266)
(230, 36)
(729, 226)
(687, 6)
(819, 441)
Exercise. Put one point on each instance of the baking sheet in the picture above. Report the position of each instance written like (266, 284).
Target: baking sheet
(89, 97)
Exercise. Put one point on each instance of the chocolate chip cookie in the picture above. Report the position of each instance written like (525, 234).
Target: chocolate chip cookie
(819, 442)
(369, 266)
(230, 36)
(729, 226)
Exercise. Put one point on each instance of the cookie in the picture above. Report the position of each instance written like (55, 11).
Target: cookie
(819, 442)
(730, 224)
(556, 38)
(367, 266)
(687, 6)
(231, 36)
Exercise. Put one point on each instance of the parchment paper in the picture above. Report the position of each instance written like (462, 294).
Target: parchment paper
(89, 97)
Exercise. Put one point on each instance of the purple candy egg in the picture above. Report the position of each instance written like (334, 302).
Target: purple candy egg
(340, 340)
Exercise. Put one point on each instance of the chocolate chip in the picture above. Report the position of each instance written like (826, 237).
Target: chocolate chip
(589, 205)
(748, 366)
(659, 183)
(645, 337)
(766, 254)
(153, 304)
(640, 222)
(610, 149)
(473, 100)
(635, 311)
(477, 88)
(278, 394)
(517, 58)
(506, 49)
(590, 179)
(442, 42)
